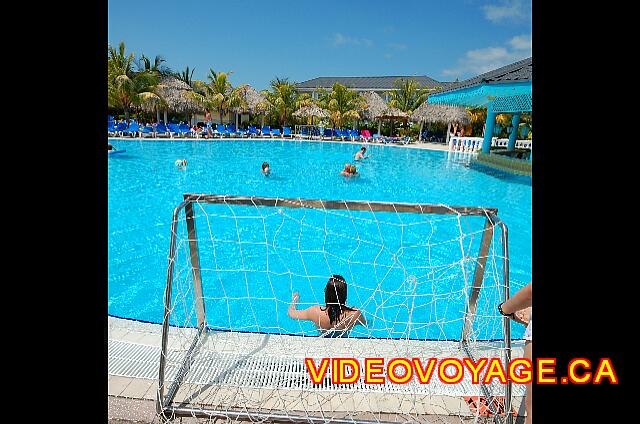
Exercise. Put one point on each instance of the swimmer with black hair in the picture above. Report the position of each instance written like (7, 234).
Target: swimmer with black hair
(360, 154)
(266, 170)
(335, 318)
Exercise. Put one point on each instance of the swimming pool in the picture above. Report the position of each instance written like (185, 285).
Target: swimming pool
(145, 186)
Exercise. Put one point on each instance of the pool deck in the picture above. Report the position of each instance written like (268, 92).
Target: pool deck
(253, 367)
(415, 145)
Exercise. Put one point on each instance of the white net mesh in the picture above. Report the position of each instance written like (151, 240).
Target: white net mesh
(411, 275)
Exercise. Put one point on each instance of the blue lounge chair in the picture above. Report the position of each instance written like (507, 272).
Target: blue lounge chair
(184, 129)
(220, 130)
(132, 130)
(231, 130)
(286, 132)
(253, 131)
(173, 129)
(241, 133)
(341, 134)
(328, 132)
(162, 130)
(111, 127)
(120, 127)
(266, 131)
(147, 130)
(275, 132)
(355, 135)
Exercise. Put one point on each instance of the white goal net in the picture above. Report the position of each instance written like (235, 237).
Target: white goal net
(427, 279)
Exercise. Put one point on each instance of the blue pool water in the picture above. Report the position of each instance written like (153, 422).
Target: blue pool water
(145, 186)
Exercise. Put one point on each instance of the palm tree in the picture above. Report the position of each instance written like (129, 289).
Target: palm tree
(144, 64)
(218, 93)
(408, 96)
(283, 99)
(185, 76)
(343, 104)
(119, 61)
(126, 87)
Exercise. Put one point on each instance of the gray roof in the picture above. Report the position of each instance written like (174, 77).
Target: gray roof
(516, 72)
(369, 83)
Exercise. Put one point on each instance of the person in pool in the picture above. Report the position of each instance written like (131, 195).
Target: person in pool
(360, 154)
(335, 319)
(110, 147)
(346, 169)
(353, 171)
(266, 170)
(518, 308)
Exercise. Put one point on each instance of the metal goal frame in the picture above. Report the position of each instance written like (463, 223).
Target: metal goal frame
(165, 406)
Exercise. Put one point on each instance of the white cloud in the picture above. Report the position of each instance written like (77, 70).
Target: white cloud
(341, 39)
(521, 42)
(479, 61)
(398, 46)
(507, 10)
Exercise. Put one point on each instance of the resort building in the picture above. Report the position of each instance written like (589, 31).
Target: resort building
(380, 85)
(503, 90)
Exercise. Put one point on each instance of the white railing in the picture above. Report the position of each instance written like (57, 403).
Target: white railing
(474, 144)
(465, 144)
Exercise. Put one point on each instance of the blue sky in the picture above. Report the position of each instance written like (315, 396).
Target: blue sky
(300, 40)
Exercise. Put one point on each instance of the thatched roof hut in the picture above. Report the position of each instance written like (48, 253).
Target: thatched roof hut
(375, 106)
(176, 96)
(311, 110)
(393, 113)
(432, 113)
(254, 102)
(441, 113)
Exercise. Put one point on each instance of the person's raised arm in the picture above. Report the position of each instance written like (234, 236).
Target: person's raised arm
(293, 312)
(520, 300)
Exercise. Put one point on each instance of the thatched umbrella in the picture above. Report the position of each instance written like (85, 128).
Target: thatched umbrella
(375, 105)
(311, 110)
(440, 113)
(393, 113)
(252, 101)
(378, 109)
(176, 96)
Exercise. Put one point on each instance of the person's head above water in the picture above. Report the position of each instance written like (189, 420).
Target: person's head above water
(363, 149)
(347, 166)
(335, 297)
(266, 169)
(352, 169)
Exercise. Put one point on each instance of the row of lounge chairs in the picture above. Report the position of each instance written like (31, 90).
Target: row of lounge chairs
(352, 135)
(171, 130)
